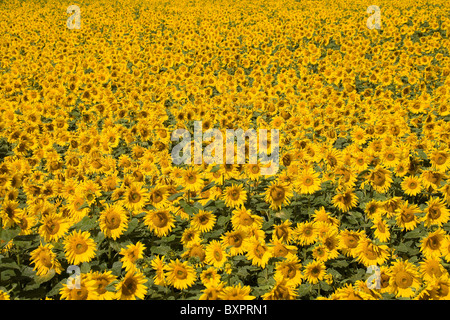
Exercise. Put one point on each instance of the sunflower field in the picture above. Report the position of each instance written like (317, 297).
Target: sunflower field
(93, 207)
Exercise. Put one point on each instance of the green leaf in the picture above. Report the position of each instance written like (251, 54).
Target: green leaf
(7, 234)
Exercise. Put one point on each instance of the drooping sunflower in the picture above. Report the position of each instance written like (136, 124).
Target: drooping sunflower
(278, 194)
(160, 221)
(180, 275)
(113, 221)
(131, 254)
(132, 286)
(203, 221)
(234, 196)
(79, 247)
(283, 232)
(237, 292)
(314, 271)
(44, 260)
(405, 279)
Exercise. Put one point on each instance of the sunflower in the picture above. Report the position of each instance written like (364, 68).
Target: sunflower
(278, 194)
(407, 215)
(191, 180)
(159, 266)
(216, 254)
(113, 221)
(436, 212)
(212, 291)
(102, 281)
(411, 185)
(132, 286)
(290, 271)
(243, 218)
(86, 291)
(44, 260)
(439, 288)
(210, 277)
(368, 253)
(4, 295)
(331, 243)
(440, 160)
(180, 275)
(158, 197)
(160, 222)
(134, 197)
(258, 252)
(195, 252)
(314, 271)
(404, 278)
(203, 221)
(381, 232)
(282, 250)
(380, 179)
(345, 201)
(432, 246)
(305, 233)
(131, 254)
(432, 179)
(431, 268)
(190, 235)
(79, 247)
(53, 227)
(308, 182)
(282, 290)
(283, 232)
(234, 196)
(9, 213)
(350, 292)
(237, 292)
(253, 171)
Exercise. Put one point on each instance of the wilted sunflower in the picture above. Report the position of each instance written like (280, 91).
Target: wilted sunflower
(237, 292)
(159, 221)
(113, 221)
(132, 286)
(278, 194)
(79, 247)
(180, 275)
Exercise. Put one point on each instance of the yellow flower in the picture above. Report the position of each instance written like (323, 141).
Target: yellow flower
(179, 274)
(132, 286)
(79, 247)
(131, 254)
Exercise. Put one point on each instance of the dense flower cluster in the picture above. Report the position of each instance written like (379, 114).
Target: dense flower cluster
(87, 179)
